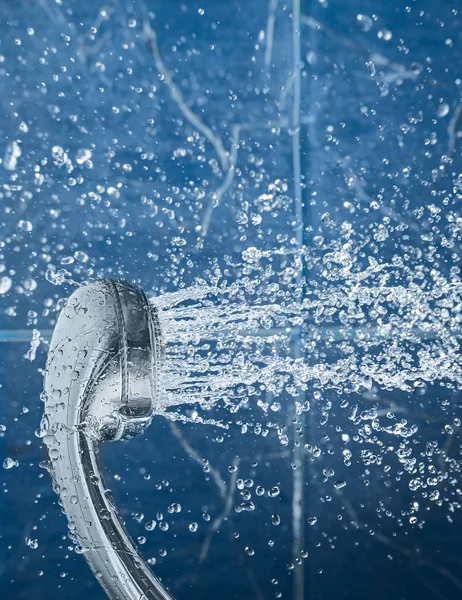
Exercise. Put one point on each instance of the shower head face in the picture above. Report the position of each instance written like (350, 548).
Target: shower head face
(103, 363)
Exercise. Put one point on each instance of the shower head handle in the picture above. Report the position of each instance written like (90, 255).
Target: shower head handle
(101, 383)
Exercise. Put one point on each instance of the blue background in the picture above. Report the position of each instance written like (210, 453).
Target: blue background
(100, 90)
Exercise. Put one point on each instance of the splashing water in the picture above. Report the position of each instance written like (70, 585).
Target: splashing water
(384, 324)
(362, 325)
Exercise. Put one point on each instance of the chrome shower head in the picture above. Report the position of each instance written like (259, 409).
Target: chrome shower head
(101, 384)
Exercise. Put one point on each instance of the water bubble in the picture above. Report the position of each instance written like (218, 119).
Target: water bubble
(193, 527)
(276, 520)
(312, 520)
(150, 525)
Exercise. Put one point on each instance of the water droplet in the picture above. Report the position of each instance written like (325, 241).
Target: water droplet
(25, 225)
(81, 256)
(5, 284)
(364, 22)
(251, 255)
(32, 543)
(442, 110)
(60, 157)
(12, 153)
(338, 485)
(9, 463)
(370, 68)
(57, 277)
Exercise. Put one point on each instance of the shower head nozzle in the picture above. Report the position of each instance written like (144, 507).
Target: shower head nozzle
(101, 384)
(105, 356)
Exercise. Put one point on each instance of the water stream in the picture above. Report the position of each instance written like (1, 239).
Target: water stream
(386, 324)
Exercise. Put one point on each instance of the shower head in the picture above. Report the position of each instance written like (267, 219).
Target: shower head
(101, 384)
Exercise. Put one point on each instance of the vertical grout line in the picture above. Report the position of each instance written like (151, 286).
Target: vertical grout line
(298, 493)
(269, 37)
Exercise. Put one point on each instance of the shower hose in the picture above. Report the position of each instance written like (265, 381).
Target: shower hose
(101, 385)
